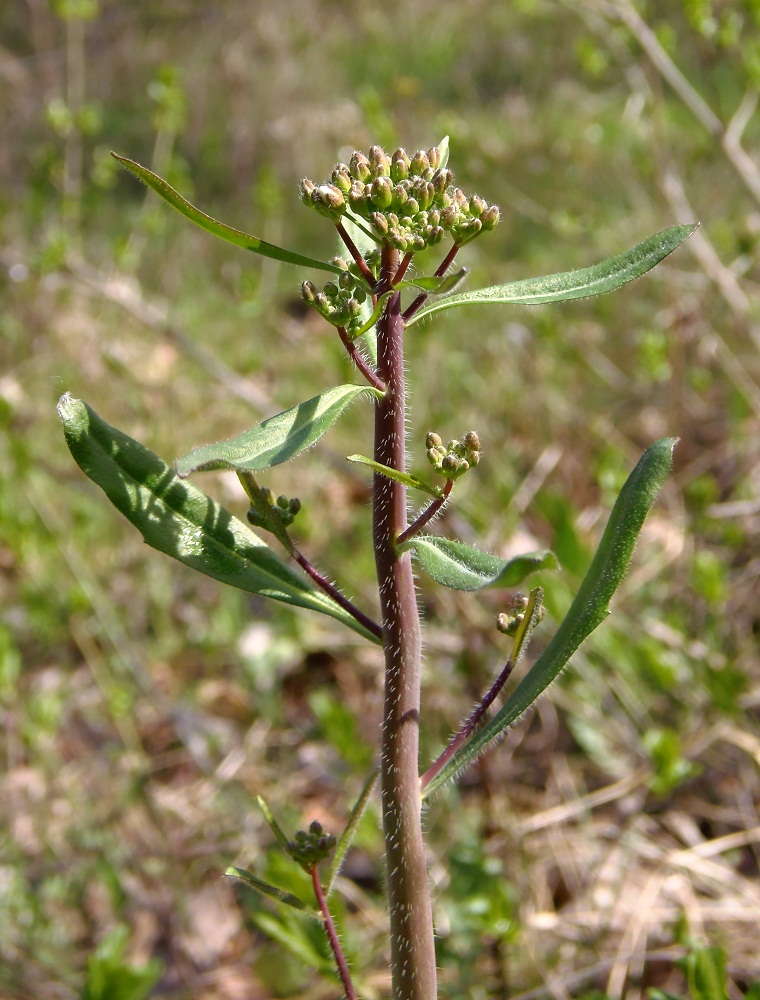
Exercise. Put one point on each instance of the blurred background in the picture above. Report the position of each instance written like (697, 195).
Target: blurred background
(612, 839)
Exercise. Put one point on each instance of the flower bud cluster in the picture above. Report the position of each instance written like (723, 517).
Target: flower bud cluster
(309, 848)
(341, 300)
(509, 622)
(410, 202)
(284, 508)
(455, 458)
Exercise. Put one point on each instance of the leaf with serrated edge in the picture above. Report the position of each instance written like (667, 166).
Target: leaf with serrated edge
(591, 604)
(401, 477)
(584, 283)
(277, 439)
(462, 567)
(176, 518)
(350, 832)
(281, 895)
(227, 233)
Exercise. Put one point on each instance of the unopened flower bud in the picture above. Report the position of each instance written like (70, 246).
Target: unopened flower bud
(434, 458)
(450, 464)
(329, 200)
(472, 441)
(316, 828)
(433, 440)
(399, 165)
(478, 205)
(382, 192)
(346, 280)
(360, 168)
(306, 189)
(434, 155)
(380, 223)
(295, 506)
(420, 163)
(441, 180)
(379, 162)
(308, 292)
(341, 178)
(490, 217)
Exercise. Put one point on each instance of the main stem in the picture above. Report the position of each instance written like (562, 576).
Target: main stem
(411, 923)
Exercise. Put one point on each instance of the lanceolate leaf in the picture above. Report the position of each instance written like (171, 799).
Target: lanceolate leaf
(434, 285)
(588, 281)
(591, 604)
(277, 439)
(281, 895)
(350, 832)
(401, 477)
(461, 567)
(236, 236)
(179, 520)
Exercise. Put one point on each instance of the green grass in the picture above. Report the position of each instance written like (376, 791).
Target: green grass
(143, 708)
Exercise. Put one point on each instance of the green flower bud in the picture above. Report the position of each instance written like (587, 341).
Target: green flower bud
(341, 178)
(490, 217)
(379, 162)
(340, 262)
(330, 289)
(308, 292)
(434, 458)
(382, 192)
(433, 440)
(380, 223)
(477, 206)
(473, 458)
(420, 163)
(400, 196)
(412, 207)
(316, 828)
(283, 502)
(306, 188)
(434, 155)
(450, 465)
(286, 518)
(436, 235)
(295, 506)
(356, 198)
(266, 494)
(400, 165)
(346, 280)
(449, 217)
(360, 168)
(329, 200)
(441, 180)
(472, 441)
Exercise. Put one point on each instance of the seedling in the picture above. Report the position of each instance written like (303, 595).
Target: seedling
(386, 210)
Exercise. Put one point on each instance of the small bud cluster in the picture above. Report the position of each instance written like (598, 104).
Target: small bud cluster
(308, 849)
(455, 458)
(411, 203)
(340, 302)
(284, 508)
(509, 622)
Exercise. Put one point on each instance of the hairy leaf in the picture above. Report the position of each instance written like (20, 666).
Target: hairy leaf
(401, 477)
(179, 520)
(591, 604)
(277, 439)
(461, 567)
(349, 833)
(586, 282)
(235, 236)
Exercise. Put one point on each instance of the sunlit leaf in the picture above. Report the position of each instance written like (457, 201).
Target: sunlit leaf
(277, 439)
(587, 281)
(235, 236)
(461, 567)
(400, 477)
(591, 604)
(434, 285)
(176, 518)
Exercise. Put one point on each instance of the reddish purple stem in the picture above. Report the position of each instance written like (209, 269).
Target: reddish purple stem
(469, 726)
(332, 936)
(440, 271)
(359, 361)
(324, 584)
(354, 251)
(426, 515)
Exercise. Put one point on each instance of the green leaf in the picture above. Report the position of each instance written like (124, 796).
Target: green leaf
(179, 520)
(706, 974)
(591, 604)
(268, 890)
(236, 236)
(401, 477)
(461, 567)
(274, 826)
(351, 827)
(111, 977)
(374, 316)
(277, 439)
(588, 281)
(443, 145)
(434, 285)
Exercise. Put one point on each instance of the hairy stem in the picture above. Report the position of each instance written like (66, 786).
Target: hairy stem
(332, 936)
(427, 515)
(411, 925)
(324, 584)
(358, 360)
